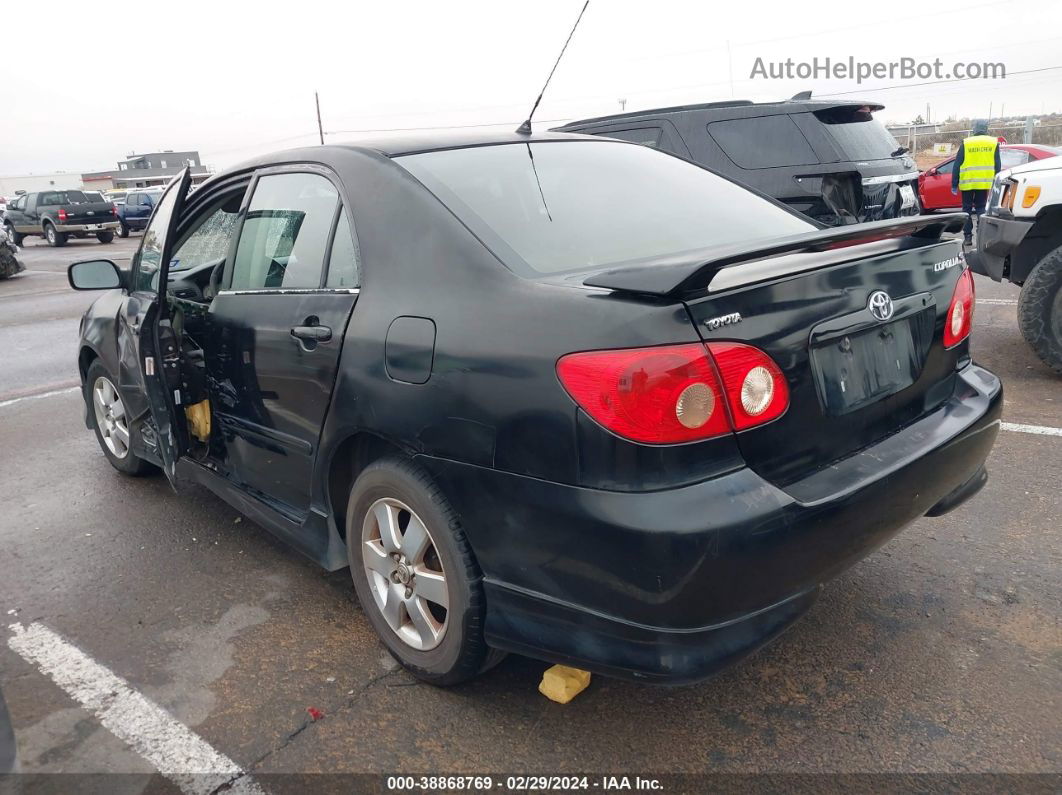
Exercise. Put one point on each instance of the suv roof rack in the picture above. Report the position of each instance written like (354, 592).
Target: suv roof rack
(802, 97)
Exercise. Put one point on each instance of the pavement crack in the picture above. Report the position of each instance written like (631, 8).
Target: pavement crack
(336, 708)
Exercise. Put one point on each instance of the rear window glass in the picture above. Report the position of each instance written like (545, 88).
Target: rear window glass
(763, 142)
(559, 206)
(58, 197)
(857, 133)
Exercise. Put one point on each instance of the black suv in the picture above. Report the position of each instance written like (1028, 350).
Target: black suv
(552, 394)
(831, 161)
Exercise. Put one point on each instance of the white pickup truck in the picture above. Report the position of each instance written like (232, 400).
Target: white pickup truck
(1020, 239)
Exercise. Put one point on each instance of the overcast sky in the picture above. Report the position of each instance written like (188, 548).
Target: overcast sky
(89, 84)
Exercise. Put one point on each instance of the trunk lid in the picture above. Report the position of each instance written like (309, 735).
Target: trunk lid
(89, 213)
(854, 378)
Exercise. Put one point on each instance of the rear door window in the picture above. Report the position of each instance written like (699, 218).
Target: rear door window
(285, 233)
(763, 142)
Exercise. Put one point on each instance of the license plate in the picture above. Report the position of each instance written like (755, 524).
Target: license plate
(857, 369)
(907, 194)
(93, 227)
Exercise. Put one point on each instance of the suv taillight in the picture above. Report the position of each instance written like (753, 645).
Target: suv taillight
(959, 320)
(676, 393)
(114, 210)
(62, 215)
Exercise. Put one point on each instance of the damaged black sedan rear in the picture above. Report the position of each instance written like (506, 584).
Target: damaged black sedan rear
(563, 396)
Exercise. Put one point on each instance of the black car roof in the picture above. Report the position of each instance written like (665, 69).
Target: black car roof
(739, 107)
(411, 142)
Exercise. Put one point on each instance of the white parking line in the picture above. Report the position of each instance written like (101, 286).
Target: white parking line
(176, 751)
(54, 392)
(1041, 430)
(998, 301)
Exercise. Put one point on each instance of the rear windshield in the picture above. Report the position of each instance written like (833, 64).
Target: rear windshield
(857, 133)
(64, 197)
(557, 206)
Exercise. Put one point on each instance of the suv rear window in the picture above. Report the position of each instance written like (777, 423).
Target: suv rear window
(857, 133)
(557, 206)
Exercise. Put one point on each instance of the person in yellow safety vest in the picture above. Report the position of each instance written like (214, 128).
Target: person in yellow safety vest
(973, 172)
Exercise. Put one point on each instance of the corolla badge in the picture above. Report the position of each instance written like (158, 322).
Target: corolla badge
(714, 323)
(880, 305)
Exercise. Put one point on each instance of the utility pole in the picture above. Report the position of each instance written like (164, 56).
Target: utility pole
(320, 129)
(622, 104)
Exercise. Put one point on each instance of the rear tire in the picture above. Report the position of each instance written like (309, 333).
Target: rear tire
(54, 237)
(104, 412)
(401, 492)
(105, 237)
(1040, 310)
(14, 236)
(123, 230)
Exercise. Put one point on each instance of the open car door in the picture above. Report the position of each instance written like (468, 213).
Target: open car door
(158, 347)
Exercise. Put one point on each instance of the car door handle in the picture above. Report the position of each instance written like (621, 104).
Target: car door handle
(312, 333)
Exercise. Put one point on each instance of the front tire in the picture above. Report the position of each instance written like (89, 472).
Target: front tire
(123, 230)
(114, 432)
(1040, 310)
(54, 237)
(14, 236)
(105, 237)
(415, 574)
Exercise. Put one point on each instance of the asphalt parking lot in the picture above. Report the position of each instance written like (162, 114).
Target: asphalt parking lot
(941, 653)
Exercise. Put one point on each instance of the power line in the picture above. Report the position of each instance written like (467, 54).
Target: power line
(933, 82)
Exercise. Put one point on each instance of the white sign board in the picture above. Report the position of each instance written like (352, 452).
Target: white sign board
(943, 149)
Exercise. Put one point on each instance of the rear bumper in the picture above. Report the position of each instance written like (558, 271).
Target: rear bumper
(96, 227)
(996, 240)
(671, 586)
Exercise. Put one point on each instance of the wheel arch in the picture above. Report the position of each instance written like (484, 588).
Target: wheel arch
(1044, 237)
(85, 357)
(349, 459)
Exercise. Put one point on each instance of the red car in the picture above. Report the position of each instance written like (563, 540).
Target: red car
(934, 184)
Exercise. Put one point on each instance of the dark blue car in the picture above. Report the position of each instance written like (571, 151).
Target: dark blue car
(134, 214)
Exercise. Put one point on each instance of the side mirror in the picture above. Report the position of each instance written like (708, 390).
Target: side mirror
(94, 274)
(932, 172)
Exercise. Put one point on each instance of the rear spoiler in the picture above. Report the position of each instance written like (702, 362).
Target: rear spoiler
(682, 273)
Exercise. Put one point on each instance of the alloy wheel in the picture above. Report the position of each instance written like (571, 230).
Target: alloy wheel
(405, 573)
(110, 417)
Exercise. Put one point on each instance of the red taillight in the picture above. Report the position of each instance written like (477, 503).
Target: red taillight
(114, 210)
(756, 391)
(959, 320)
(62, 215)
(673, 394)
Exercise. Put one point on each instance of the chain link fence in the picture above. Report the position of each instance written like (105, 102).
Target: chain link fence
(930, 144)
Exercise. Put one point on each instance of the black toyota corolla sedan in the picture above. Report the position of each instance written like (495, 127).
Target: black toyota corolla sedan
(564, 396)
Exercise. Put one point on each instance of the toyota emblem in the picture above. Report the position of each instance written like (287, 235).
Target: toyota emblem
(880, 305)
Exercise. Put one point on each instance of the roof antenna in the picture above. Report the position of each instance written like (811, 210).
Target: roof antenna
(525, 128)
